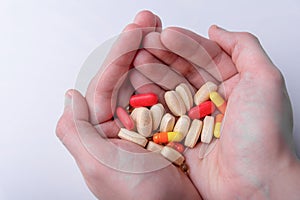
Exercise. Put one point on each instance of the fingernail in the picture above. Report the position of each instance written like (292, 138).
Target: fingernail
(68, 98)
(218, 27)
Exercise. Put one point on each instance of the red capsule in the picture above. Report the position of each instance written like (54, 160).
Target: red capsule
(143, 100)
(177, 146)
(202, 110)
(125, 118)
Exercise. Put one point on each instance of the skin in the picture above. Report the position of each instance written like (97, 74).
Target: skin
(84, 120)
(253, 159)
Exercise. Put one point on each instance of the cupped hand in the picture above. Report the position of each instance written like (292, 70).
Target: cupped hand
(89, 132)
(255, 145)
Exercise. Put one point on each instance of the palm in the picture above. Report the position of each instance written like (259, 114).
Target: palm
(258, 112)
(226, 167)
(121, 185)
(114, 168)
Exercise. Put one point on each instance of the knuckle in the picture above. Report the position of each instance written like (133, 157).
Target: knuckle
(277, 76)
(64, 125)
(60, 128)
(246, 36)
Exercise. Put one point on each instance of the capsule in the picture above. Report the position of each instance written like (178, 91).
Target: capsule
(208, 129)
(144, 121)
(172, 155)
(132, 137)
(175, 103)
(154, 147)
(125, 119)
(193, 133)
(167, 123)
(202, 110)
(185, 94)
(157, 112)
(218, 123)
(143, 100)
(182, 125)
(166, 137)
(177, 146)
(203, 93)
(218, 101)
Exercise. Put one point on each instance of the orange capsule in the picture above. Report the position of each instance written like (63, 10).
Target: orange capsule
(177, 146)
(218, 122)
(143, 100)
(166, 137)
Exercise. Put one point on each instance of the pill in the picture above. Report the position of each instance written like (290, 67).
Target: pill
(144, 121)
(218, 123)
(202, 110)
(185, 94)
(193, 133)
(152, 146)
(167, 123)
(177, 146)
(143, 100)
(133, 116)
(132, 137)
(218, 101)
(207, 130)
(203, 93)
(125, 118)
(165, 137)
(172, 155)
(175, 103)
(182, 125)
(157, 112)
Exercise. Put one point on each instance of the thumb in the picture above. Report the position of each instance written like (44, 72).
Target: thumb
(75, 114)
(244, 48)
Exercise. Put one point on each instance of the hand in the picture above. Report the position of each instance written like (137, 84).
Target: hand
(87, 130)
(253, 158)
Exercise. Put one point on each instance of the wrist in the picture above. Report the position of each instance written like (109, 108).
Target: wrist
(285, 183)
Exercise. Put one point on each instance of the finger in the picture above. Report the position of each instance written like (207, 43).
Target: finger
(244, 48)
(158, 72)
(158, 24)
(124, 92)
(88, 148)
(143, 85)
(75, 114)
(226, 87)
(148, 21)
(194, 74)
(115, 66)
(200, 51)
(75, 131)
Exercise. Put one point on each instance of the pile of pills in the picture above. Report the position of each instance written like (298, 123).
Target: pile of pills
(149, 125)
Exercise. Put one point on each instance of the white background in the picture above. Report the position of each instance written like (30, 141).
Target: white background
(43, 45)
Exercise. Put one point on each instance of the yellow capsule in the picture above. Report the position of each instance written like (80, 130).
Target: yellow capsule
(165, 137)
(217, 130)
(218, 101)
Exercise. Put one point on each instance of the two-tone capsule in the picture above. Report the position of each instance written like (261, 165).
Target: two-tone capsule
(202, 110)
(218, 123)
(218, 101)
(166, 137)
